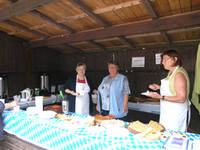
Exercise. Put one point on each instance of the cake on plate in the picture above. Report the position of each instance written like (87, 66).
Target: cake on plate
(137, 127)
(113, 123)
(64, 117)
(99, 118)
(155, 125)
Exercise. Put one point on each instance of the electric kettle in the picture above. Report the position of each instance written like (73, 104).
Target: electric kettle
(26, 94)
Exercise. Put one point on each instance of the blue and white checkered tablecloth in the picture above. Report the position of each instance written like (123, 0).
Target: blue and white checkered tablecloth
(55, 134)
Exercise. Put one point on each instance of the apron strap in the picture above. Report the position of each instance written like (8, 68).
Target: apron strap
(188, 113)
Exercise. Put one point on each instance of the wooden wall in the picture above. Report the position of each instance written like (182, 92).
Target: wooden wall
(59, 66)
(12, 62)
(45, 61)
(24, 66)
(19, 63)
(139, 78)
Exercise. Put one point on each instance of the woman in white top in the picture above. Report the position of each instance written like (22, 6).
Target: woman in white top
(174, 93)
(78, 89)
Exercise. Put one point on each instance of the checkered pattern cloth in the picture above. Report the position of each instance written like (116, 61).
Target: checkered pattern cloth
(56, 134)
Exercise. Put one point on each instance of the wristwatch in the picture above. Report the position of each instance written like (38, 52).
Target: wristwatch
(163, 97)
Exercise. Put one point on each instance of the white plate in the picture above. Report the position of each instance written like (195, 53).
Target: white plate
(31, 110)
(47, 114)
(145, 93)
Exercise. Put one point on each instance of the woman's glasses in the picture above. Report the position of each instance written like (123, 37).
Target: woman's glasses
(166, 59)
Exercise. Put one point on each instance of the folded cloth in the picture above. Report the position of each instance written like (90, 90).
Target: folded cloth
(196, 90)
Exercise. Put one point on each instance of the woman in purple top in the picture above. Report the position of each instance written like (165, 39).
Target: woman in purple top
(2, 107)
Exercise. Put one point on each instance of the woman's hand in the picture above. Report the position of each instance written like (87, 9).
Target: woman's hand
(11, 105)
(95, 91)
(72, 92)
(68, 91)
(125, 108)
(155, 95)
(154, 86)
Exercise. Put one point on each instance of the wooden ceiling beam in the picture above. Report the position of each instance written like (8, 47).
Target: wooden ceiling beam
(168, 32)
(21, 7)
(149, 8)
(127, 41)
(187, 41)
(102, 10)
(143, 35)
(72, 47)
(51, 21)
(108, 39)
(97, 11)
(26, 29)
(89, 12)
(11, 1)
(148, 26)
(165, 36)
(184, 30)
(98, 45)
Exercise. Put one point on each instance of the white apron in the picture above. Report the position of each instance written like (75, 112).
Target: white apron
(173, 115)
(82, 101)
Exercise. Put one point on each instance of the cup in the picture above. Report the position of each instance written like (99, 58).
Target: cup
(65, 105)
(94, 98)
(39, 103)
(37, 91)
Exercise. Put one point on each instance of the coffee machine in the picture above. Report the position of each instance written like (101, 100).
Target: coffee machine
(44, 85)
(4, 87)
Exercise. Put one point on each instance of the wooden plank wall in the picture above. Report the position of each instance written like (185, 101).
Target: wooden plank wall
(139, 78)
(13, 64)
(60, 66)
(45, 60)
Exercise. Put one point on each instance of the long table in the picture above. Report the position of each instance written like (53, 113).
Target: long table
(55, 134)
(47, 101)
(149, 107)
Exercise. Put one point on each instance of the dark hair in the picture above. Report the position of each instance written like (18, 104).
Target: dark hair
(172, 54)
(80, 64)
(113, 63)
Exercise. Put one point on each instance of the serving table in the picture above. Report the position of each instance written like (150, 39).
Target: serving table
(149, 107)
(46, 101)
(56, 134)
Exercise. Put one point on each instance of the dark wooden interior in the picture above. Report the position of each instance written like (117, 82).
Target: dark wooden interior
(52, 36)
(24, 66)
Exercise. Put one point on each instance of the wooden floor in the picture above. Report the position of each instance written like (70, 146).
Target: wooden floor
(12, 142)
